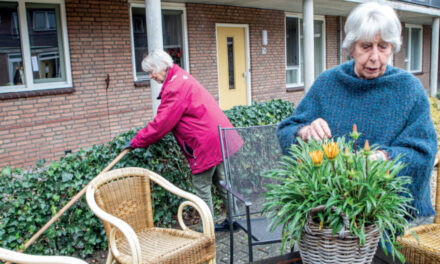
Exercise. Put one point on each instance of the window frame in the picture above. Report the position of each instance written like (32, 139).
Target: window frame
(408, 60)
(31, 84)
(300, 83)
(164, 6)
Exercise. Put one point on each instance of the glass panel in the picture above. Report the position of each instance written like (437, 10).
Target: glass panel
(45, 37)
(291, 76)
(230, 44)
(172, 34)
(416, 49)
(319, 60)
(139, 39)
(11, 63)
(172, 37)
(292, 48)
(407, 49)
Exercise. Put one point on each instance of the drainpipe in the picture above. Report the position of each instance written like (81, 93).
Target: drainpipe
(309, 67)
(433, 85)
(155, 41)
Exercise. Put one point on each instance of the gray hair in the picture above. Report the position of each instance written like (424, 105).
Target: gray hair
(156, 61)
(369, 19)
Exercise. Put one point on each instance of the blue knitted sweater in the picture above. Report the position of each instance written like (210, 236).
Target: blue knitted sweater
(391, 111)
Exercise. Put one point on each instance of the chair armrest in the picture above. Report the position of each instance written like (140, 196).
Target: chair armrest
(126, 230)
(236, 194)
(194, 201)
(9, 255)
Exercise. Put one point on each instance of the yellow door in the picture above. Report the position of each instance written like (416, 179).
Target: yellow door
(231, 53)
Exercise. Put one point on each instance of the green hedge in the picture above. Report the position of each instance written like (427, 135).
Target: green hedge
(29, 199)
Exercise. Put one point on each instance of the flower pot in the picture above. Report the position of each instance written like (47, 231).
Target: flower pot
(321, 246)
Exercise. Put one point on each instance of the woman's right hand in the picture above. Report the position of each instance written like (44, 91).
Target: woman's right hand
(317, 130)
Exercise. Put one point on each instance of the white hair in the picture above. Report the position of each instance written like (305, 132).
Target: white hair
(369, 19)
(156, 61)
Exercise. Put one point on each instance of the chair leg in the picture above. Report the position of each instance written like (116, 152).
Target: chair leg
(249, 228)
(109, 257)
(231, 229)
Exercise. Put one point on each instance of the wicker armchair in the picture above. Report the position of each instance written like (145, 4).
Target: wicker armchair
(13, 256)
(122, 199)
(428, 250)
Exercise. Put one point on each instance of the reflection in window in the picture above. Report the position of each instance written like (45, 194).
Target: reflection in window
(295, 50)
(46, 42)
(172, 37)
(11, 63)
(230, 44)
(413, 49)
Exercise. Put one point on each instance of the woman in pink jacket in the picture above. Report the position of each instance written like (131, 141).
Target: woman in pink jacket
(192, 114)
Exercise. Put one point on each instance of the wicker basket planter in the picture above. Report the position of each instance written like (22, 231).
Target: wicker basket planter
(321, 246)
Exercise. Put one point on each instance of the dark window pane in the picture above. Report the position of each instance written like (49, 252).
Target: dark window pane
(11, 64)
(139, 38)
(292, 50)
(46, 43)
(172, 37)
(230, 43)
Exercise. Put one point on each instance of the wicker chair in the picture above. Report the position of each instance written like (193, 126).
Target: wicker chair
(122, 199)
(428, 250)
(13, 256)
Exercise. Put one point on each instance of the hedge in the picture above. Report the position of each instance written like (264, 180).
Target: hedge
(30, 198)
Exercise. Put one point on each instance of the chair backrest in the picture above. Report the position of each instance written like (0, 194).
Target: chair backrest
(126, 196)
(245, 168)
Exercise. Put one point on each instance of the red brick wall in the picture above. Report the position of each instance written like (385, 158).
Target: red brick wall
(44, 127)
(268, 76)
(332, 41)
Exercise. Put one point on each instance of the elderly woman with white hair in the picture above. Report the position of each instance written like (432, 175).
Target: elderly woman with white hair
(190, 112)
(389, 105)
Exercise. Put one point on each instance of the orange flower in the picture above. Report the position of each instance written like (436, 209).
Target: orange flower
(316, 156)
(331, 150)
(355, 134)
(367, 147)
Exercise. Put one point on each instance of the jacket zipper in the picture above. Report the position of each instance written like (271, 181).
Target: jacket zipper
(195, 162)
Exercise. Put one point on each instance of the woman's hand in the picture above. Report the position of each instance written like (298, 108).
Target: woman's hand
(317, 130)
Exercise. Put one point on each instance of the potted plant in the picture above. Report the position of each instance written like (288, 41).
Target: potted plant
(336, 202)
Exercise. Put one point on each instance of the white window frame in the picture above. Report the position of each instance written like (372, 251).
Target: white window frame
(300, 17)
(26, 50)
(408, 60)
(166, 6)
(47, 23)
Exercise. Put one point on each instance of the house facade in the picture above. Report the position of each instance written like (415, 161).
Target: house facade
(70, 74)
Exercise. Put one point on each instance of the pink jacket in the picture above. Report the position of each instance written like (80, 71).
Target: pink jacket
(192, 114)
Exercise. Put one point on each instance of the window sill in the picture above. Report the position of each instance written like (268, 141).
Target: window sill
(34, 93)
(295, 89)
(141, 84)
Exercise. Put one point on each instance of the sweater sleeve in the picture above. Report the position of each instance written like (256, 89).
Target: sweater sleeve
(307, 111)
(417, 146)
(168, 115)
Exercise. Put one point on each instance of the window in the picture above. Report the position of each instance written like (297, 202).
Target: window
(33, 46)
(295, 50)
(413, 49)
(173, 36)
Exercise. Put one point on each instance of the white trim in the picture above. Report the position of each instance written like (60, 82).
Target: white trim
(164, 6)
(405, 6)
(29, 82)
(409, 27)
(300, 55)
(248, 70)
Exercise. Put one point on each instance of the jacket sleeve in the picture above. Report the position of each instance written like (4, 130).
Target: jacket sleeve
(416, 146)
(307, 111)
(168, 115)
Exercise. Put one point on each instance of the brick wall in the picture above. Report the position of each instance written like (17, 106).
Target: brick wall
(268, 78)
(44, 127)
